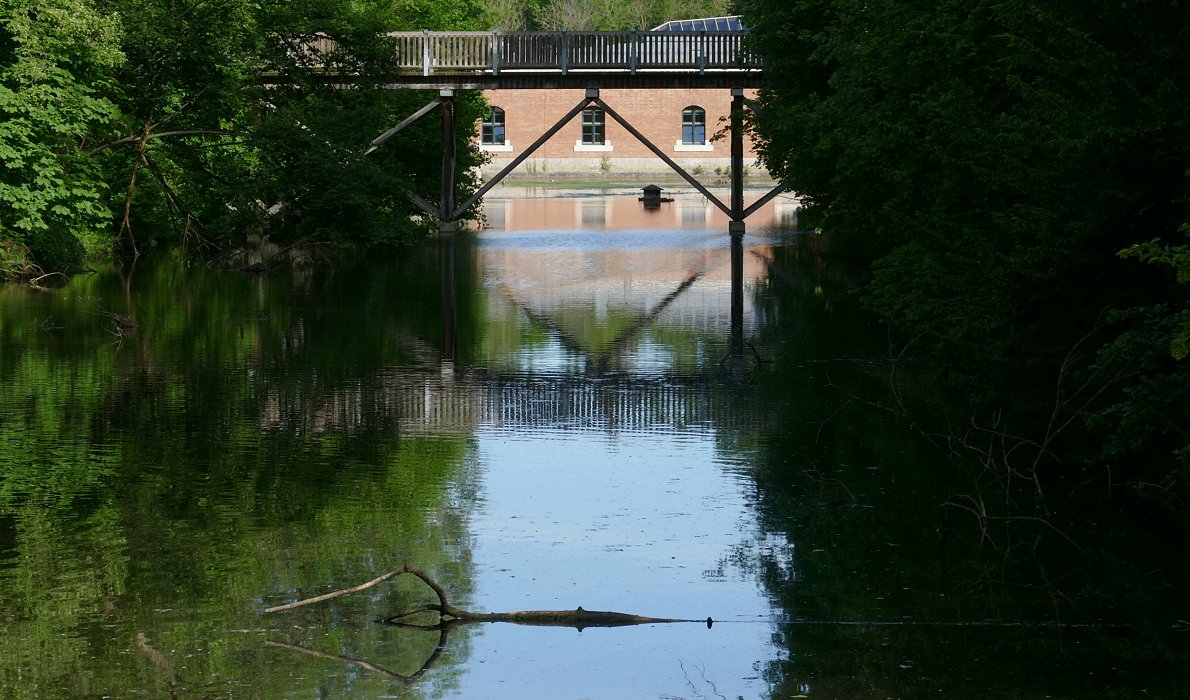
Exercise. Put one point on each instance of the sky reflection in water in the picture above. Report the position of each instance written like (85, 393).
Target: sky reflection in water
(642, 518)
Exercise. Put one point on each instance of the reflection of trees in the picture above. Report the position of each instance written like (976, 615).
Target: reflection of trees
(883, 595)
(158, 487)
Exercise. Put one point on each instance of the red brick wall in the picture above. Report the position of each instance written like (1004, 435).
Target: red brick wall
(655, 113)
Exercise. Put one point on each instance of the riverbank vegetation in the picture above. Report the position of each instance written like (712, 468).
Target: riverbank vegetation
(1016, 174)
(124, 123)
(127, 123)
(597, 15)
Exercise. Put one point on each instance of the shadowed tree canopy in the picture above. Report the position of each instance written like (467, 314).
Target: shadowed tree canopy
(144, 121)
(993, 159)
(596, 15)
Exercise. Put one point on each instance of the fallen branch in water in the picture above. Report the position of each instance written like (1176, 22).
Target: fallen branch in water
(578, 617)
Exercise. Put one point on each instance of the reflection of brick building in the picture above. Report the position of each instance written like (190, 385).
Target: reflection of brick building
(683, 123)
(529, 208)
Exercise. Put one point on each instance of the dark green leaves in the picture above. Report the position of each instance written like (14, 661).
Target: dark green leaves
(992, 158)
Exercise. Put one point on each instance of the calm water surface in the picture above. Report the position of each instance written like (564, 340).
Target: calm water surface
(542, 415)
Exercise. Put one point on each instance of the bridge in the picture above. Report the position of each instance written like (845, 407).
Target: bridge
(546, 60)
(591, 61)
(449, 61)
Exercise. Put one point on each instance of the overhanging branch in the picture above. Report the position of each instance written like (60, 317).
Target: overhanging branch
(162, 134)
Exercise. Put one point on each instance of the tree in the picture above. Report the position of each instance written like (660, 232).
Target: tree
(55, 63)
(237, 146)
(992, 159)
(146, 120)
(597, 15)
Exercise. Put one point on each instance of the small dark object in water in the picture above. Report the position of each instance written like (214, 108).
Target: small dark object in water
(652, 197)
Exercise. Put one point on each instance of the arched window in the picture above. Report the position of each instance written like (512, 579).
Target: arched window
(593, 131)
(493, 128)
(694, 125)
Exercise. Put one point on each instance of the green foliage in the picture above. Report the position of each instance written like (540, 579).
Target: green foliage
(14, 259)
(992, 158)
(144, 120)
(1178, 258)
(1145, 415)
(598, 15)
(55, 249)
(1145, 410)
(55, 59)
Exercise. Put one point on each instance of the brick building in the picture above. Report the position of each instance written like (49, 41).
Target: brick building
(682, 123)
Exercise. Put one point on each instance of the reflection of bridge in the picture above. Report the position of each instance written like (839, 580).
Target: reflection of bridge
(430, 403)
(623, 378)
(684, 285)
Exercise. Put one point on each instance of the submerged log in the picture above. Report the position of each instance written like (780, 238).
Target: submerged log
(450, 615)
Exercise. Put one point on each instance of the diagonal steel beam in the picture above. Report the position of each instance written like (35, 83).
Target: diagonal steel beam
(521, 158)
(421, 203)
(404, 123)
(765, 199)
(754, 106)
(661, 154)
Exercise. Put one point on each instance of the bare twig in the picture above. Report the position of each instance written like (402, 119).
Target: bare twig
(36, 280)
(336, 594)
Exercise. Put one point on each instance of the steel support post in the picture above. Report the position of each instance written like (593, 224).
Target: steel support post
(737, 161)
(446, 205)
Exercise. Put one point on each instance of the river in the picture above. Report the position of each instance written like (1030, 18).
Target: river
(542, 414)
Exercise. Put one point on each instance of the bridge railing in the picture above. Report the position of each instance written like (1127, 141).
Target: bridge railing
(433, 53)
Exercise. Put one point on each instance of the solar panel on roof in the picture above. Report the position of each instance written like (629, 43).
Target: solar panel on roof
(704, 24)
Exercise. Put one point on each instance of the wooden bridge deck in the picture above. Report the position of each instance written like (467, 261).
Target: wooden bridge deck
(478, 60)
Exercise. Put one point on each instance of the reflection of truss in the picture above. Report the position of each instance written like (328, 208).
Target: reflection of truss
(599, 362)
(547, 283)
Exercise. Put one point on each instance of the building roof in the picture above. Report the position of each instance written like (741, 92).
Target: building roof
(705, 24)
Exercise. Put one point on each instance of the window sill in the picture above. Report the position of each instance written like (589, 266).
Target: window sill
(579, 146)
(691, 147)
(505, 147)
